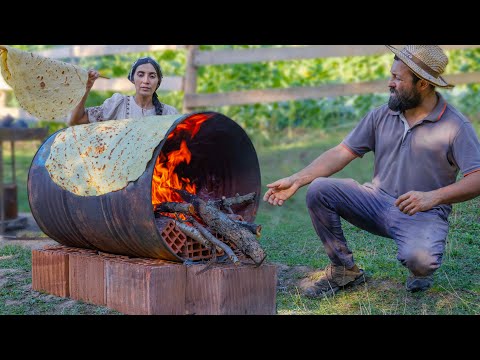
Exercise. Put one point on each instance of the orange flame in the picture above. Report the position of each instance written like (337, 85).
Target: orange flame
(165, 179)
(191, 125)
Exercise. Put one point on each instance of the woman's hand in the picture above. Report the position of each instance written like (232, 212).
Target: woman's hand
(280, 191)
(92, 76)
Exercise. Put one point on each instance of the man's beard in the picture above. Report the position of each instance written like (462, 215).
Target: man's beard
(404, 101)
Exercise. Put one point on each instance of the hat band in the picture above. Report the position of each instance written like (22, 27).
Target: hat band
(420, 63)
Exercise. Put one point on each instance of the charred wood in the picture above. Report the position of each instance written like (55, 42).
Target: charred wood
(255, 229)
(229, 229)
(227, 203)
(193, 233)
(235, 217)
(174, 207)
(216, 242)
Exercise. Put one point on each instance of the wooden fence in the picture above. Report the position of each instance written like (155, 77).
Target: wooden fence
(197, 58)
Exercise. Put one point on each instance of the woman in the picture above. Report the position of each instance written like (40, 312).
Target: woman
(146, 75)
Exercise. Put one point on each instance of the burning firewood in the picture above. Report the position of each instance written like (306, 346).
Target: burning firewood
(236, 200)
(192, 232)
(204, 237)
(216, 242)
(174, 207)
(219, 222)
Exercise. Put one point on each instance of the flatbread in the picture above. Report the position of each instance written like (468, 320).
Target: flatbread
(98, 158)
(46, 88)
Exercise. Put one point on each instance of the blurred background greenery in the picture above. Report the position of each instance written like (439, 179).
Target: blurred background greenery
(264, 121)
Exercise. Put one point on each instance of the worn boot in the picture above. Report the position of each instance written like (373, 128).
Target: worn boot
(419, 283)
(334, 278)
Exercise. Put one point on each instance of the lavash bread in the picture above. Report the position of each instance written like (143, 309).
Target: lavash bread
(48, 89)
(98, 158)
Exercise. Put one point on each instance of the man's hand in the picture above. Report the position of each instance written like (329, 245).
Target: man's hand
(92, 76)
(415, 201)
(280, 190)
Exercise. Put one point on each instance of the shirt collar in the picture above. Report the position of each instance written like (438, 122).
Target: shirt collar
(436, 113)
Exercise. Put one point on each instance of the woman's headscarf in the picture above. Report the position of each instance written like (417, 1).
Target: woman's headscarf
(148, 60)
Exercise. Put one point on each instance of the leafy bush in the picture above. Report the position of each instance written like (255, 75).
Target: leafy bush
(268, 118)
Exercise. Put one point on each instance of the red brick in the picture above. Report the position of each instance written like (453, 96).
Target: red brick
(231, 290)
(145, 286)
(87, 278)
(50, 272)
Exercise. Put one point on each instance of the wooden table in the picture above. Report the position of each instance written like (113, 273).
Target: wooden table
(13, 135)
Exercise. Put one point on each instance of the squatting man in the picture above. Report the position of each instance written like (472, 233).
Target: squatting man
(420, 143)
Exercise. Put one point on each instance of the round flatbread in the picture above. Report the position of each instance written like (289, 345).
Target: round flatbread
(98, 158)
(46, 88)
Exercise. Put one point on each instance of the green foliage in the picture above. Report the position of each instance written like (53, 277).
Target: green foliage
(53, 126)
(266, 119)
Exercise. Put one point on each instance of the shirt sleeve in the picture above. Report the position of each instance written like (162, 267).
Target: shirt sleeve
(361, 139)
(108, 110)
(466, 149)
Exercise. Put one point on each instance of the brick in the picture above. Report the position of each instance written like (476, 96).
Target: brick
(50, 272)
(145, 286)
(172, 236)
(87, 278)
(231, 290)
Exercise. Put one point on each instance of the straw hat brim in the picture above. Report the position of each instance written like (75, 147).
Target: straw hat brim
(440, 82)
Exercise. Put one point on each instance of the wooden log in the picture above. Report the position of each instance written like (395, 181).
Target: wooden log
(236, 200)
(192, 232)
(253, 228)
(235, 217)
(173, 207)
(216, 242)
(229, 229)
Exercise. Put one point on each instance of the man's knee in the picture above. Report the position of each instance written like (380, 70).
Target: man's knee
(420, 262)
(316, 192)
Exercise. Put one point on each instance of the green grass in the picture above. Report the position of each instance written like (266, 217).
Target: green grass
(18, 298)
(289, 239)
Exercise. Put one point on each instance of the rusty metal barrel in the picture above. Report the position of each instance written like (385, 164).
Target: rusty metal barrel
(90, 186)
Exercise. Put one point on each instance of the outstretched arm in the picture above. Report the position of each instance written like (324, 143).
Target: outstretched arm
(327, 164)
(463, 190)
(79, 115)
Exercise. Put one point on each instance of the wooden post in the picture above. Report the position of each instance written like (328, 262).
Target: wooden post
(12, 149)
(190, 85)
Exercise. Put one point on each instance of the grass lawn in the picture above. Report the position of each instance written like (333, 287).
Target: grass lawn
(290, 241)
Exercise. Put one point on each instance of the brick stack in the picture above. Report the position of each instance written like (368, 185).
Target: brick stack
(140, 286)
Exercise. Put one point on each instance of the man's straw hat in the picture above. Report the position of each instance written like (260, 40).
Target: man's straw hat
(426, 61)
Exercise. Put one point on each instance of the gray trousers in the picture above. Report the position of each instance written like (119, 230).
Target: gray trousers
(420, 238)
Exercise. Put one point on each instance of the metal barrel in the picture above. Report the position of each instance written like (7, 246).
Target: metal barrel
(223, 163)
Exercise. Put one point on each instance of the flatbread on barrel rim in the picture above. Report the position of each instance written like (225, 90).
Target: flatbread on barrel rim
(48, 89)
(98, 158)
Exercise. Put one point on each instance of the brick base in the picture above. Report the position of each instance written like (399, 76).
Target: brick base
(87, 278)
(154, 287)
(231, 290)
(140, 287)
(50, 272)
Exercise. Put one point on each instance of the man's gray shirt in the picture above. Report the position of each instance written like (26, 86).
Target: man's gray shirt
(427, 158)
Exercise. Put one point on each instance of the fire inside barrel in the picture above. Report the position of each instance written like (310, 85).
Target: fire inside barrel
(181, 187)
